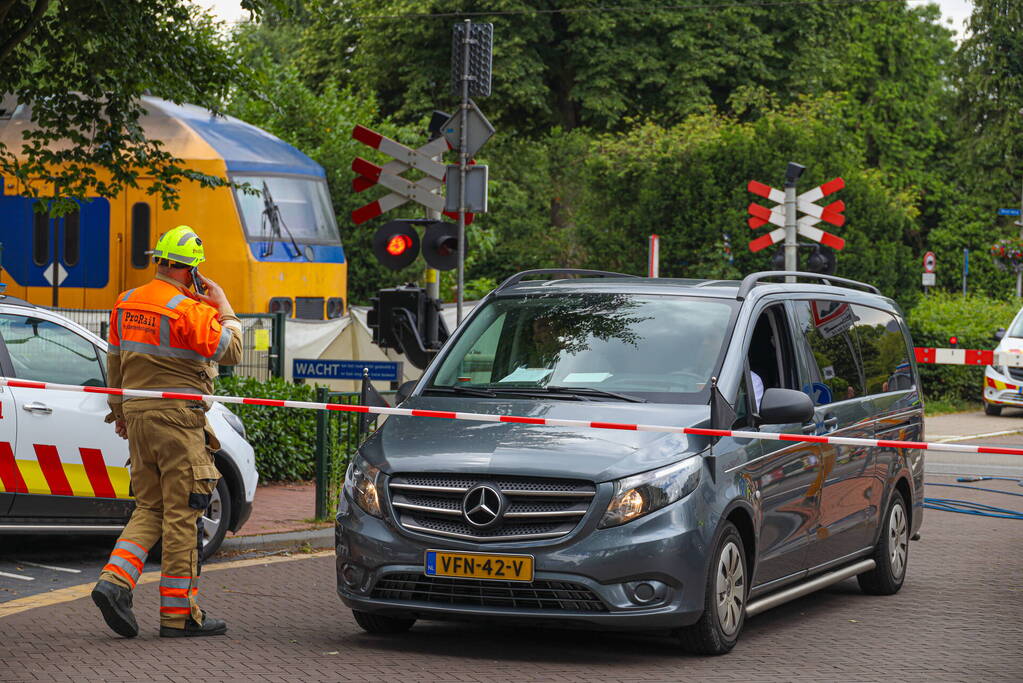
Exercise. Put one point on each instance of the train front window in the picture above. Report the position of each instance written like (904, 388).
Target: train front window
(306, 215)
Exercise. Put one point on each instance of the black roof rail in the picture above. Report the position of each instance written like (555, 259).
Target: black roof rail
(519, 277)
(752, 279)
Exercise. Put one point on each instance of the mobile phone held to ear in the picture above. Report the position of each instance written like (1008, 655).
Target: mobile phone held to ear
(197, 281)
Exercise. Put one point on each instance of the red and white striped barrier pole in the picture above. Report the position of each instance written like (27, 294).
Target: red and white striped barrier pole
(482, 417)
(932, 356)
(654, 260)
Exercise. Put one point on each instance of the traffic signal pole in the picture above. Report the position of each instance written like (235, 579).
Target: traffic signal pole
(463, 164)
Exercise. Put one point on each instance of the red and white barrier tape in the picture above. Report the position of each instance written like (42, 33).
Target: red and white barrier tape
(968, 357)
(482, 417)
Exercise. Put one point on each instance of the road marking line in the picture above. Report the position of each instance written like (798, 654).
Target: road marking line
(18, 576)
(76, 592)
(968, 437)
(46, 566)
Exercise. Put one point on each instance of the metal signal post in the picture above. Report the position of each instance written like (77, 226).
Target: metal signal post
(463, 164)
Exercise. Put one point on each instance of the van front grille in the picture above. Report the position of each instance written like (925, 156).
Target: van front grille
(534, 508)
(544, 595)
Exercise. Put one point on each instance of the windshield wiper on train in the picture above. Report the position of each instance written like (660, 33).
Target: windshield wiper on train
(590, 391)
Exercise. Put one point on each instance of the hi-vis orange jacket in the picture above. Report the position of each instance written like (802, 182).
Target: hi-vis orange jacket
(162, 337)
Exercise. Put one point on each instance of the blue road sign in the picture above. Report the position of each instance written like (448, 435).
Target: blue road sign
(1009, 212)
(379, 370)
(819, 392)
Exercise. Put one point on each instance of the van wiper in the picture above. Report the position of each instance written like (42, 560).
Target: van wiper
(467, 391)
(590, 391)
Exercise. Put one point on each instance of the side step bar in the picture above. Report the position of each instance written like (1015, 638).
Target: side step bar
(814, 584)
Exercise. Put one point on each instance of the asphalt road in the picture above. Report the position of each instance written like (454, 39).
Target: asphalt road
(958, 617)
(34, 564)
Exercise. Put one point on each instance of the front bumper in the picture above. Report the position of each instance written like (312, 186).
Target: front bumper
(666, 550)
(1002, 390)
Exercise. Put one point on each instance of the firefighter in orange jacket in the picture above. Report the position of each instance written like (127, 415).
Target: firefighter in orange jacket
(165, 337)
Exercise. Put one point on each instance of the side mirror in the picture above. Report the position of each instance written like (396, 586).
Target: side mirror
(404, 391)
(999, 333)
(785, 406)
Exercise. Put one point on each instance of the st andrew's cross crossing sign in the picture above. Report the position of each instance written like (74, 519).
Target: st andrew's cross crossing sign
(832, 213)
(389, 175)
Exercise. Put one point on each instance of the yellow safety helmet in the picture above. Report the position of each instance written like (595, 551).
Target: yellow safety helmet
(181, 245)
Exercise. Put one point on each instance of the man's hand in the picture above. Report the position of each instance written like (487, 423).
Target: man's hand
(121, 428)
(215, 295)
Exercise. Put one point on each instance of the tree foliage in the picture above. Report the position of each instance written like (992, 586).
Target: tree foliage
(687, 183)
(81, 65)
(617, 122)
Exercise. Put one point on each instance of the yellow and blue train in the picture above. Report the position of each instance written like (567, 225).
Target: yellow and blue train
(278, 250)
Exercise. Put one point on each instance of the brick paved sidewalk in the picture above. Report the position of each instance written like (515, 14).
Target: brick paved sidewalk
(959, 617)
(282, 507)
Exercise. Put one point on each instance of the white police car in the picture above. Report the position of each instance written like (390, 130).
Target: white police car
(1003, 385)
(62, 468)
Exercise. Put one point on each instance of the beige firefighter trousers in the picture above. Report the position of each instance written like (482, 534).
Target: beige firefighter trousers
(172, 476)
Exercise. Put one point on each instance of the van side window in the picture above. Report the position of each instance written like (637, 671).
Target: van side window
(886, 356)
(770, 354)
(140, 235)
(828, 327)
(44, 351)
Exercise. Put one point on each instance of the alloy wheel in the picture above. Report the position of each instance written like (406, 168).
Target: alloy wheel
(898, 540)
(212, 518)
(731, 588)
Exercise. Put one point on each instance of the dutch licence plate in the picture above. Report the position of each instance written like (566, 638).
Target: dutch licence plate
(479, 566)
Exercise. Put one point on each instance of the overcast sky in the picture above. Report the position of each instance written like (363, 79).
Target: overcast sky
(956, 10)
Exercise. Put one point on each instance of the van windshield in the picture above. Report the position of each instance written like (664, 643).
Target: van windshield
(659, 348)
(304, 205)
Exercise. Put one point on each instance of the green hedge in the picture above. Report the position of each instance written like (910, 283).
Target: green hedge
(284, 439)
(973, 320)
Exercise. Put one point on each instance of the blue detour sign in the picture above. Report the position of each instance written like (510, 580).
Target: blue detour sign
(311, 368)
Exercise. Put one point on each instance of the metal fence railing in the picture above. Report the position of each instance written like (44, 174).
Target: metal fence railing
(337, 438)
(262, 346)
(262, 340)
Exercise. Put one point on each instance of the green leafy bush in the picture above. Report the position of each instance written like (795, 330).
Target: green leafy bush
(973, 320)
(284, 439)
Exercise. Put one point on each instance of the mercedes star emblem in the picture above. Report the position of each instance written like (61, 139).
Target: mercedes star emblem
(483, 506)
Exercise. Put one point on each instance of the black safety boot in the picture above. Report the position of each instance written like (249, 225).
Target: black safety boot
(115, 603)
(210, 627)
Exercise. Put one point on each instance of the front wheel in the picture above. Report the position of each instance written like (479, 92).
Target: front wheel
(215, 519)
(992, 409)
(381, 624)
(724, 604)
(891, 553)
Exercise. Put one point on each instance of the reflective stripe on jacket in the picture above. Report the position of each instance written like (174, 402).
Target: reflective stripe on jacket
(162, 336)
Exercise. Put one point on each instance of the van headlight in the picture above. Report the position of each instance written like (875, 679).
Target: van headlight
(1001, 370)
(361, 482)
(641, 494)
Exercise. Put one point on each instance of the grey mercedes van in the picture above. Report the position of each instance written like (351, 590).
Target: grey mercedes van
(619, 529)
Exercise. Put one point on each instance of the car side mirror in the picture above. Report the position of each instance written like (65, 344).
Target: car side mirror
(999, 333)
(404, 391)
(785, 406)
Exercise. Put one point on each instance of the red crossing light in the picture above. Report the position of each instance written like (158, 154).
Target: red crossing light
(398, 245)
(953, 341)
